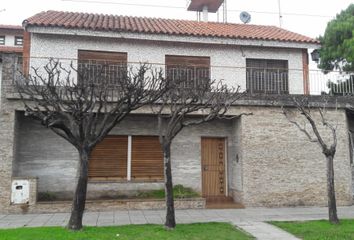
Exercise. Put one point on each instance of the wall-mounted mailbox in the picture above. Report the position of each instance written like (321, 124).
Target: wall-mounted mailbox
(20, 192)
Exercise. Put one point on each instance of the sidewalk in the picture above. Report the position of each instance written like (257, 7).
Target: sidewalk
(251, 220)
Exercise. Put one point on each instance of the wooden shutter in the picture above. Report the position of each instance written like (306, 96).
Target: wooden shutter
(187, 61)
(147, 158)
(109, 159)
(102, 67)
(110, 57)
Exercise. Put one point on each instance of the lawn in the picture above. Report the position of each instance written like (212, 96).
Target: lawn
(197, 231)
(319, 229)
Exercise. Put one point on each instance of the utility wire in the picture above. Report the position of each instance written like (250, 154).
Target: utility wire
(180, 7)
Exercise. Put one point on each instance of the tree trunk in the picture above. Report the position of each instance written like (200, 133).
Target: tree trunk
(170, 214)
(78, 204)
(332, 205)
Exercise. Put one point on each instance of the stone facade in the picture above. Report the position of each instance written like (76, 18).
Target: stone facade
(43, 154)
(281, 167)
(270, 162)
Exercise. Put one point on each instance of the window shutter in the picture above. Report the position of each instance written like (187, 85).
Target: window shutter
(97, 67)
(147, 158)
(109, 158)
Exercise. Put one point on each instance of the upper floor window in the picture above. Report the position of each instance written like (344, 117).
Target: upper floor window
(2, 40)
(192, 71)
(267, 76)
(101, 67)
(18, 41)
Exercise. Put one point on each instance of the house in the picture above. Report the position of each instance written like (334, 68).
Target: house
(261, 159)
(11, 41)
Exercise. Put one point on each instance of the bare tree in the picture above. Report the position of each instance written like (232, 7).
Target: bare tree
(84, 111)
(328, 149)
(181, 107)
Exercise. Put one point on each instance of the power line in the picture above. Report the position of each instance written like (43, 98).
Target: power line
(126, 4)
(180, 7)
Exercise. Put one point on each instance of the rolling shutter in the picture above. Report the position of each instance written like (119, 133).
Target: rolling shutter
(147, 158)
(109, 159)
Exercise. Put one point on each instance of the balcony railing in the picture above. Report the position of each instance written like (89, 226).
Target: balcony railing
(95, 72)
(253, 80)
(190, 77)
(268, 81)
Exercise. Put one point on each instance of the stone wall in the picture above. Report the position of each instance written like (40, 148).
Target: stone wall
(282, 168)
(107, 205)
(7, 130)
(350, 117)
(43, 154)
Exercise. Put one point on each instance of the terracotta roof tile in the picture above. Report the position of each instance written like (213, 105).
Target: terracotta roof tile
(101, 22)
(11, 27)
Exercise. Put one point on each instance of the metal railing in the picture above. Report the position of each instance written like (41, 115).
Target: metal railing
(268, 81)
(95, 72)
(331, 83)
(252, 80)
(190, 77)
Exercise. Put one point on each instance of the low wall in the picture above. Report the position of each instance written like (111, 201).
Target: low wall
(106, 205)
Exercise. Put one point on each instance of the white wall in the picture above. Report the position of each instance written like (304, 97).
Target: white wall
(228, 61)
(10, 40)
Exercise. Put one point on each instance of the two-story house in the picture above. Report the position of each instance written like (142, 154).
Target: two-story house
(263, 160)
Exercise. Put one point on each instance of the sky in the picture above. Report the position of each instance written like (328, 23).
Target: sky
(15, 11)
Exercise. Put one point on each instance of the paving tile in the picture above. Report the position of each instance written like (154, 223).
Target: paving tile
(250, 219)
(105, 219)
(59, 219)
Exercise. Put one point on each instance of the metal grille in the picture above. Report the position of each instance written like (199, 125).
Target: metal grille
(98, 72)
(267, 76)
(189, 76)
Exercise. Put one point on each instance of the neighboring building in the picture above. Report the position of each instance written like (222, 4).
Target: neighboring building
(262, 159)
(11, 41)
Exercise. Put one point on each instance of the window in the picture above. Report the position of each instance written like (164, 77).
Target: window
(147, 158)
(2, 40)
(109, 159)
(267, 76)
(127, 158)
(193, 71)
(97, 67)
(18, 41)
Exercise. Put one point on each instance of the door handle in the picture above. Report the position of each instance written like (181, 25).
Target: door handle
(205, 168)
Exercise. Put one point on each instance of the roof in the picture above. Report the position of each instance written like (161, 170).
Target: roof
(11, 27)
(114, 23)
(8, 49)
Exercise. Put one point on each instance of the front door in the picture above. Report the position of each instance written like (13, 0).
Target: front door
(213, 167)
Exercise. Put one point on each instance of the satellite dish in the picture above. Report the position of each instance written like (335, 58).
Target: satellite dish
(245, 17)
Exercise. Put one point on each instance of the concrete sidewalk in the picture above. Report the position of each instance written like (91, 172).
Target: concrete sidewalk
(251, 220)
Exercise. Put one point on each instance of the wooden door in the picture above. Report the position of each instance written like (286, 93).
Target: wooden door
(213, 167)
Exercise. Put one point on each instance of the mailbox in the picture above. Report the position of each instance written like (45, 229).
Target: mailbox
(20, 192)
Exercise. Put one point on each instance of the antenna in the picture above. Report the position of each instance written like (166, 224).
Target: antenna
(280, 15)
(245, 17)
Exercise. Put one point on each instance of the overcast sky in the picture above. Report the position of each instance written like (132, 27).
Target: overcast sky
(18, 10)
